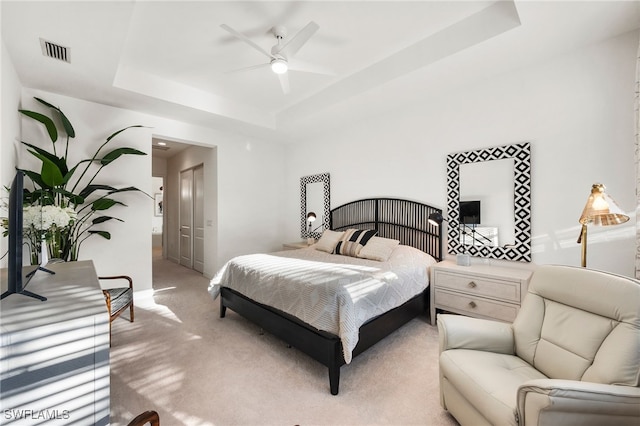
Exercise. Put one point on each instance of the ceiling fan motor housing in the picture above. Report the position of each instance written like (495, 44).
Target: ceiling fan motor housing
(279, 31)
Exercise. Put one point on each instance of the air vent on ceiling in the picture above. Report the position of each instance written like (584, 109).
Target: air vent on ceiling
(160, 148)
(55, 51)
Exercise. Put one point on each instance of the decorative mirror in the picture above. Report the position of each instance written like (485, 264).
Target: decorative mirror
(489, 202)
(314, 200)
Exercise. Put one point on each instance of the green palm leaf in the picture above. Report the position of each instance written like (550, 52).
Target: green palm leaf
(48, 123)
(35, 177)
(104, 234)
(50, 172)
(73, 198)
(102, 219)
(128, 189)
(104, 204)
(118, 152)
(65, 121)
(59, 162)
(90, 189)
(122, 130)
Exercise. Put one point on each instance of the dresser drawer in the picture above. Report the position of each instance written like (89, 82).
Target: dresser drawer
(477, 285)
(471, 305)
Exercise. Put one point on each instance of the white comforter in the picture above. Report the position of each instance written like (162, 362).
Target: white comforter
(330, 292)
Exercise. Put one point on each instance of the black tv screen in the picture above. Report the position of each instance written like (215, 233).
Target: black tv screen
(17, 275)
(470, 212)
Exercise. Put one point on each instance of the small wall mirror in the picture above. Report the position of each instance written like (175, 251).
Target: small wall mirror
(488, 200)
(315, 200)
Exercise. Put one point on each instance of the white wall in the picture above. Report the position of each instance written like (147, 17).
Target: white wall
(250, 173)
(577, 112)
(250, 200)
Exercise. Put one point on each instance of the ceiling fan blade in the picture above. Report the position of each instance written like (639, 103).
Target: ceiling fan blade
(298, 65)
(246, 40)
(290, 47)
(253, 67)
(284, 83)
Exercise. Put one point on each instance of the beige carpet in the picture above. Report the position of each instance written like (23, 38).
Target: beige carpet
(180, 359)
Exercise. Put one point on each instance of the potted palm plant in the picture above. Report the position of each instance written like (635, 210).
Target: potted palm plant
(69, 199)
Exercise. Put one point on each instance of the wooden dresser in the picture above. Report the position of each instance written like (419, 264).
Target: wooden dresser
(482, 291)
(54, 355)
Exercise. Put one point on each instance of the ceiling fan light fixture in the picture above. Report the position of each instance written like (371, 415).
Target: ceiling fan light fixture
(279, 66)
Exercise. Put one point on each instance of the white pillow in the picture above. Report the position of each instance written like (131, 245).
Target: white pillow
(329, 240)
(378, 248)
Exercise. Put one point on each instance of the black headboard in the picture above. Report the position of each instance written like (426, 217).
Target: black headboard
(403, 220)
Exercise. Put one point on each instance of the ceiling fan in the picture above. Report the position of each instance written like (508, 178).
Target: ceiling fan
(281, 57)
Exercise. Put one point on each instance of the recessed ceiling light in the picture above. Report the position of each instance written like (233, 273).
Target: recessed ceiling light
(162, 143)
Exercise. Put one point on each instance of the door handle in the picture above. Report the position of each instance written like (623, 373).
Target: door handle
(472, 285)
(472, 304)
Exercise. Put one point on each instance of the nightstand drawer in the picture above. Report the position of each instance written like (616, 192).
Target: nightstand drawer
(476, 306)
(480, 286)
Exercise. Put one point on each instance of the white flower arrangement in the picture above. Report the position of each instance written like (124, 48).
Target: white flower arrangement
(48, 225)
(44, 218)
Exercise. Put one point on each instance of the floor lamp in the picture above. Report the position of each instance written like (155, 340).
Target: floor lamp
(600, 210)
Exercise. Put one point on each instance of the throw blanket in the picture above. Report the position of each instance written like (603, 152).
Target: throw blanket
(330, 292)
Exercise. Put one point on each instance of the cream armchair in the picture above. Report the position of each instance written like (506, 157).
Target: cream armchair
(571, 357)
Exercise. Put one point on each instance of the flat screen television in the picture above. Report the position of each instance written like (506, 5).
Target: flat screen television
(17, 276)
(470, 212)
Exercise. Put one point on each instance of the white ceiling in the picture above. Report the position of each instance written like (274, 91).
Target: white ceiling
(171, 58)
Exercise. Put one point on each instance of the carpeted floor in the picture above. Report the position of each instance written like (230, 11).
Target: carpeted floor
(180, 359)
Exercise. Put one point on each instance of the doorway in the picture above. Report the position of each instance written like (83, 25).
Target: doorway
(192, 218)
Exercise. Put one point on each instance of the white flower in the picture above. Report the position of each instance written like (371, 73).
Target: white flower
(45, 217)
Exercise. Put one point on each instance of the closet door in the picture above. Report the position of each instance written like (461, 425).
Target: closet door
(198, 218)
(186, 218)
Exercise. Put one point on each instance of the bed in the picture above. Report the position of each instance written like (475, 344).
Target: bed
(358, 329)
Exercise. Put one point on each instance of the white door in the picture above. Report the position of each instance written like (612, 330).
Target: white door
(186, 218)
(198, 218)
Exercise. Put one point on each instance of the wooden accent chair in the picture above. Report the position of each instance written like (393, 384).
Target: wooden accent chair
(147, 417)
(118, 299)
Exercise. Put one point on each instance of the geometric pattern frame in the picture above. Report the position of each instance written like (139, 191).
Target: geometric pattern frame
(521, 153)
(326, 190)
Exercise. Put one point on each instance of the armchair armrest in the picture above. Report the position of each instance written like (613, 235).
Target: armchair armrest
(118, 277)
(460, 332)
(553, 401)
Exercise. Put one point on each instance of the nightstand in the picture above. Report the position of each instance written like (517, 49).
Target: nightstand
(482, 291)
(295, 245)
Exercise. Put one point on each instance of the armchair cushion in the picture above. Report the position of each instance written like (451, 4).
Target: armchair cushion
(459, 332)
(120, 298)
(493, 383)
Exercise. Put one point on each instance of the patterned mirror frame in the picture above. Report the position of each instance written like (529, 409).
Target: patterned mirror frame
(324, 178)
(521, 153)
